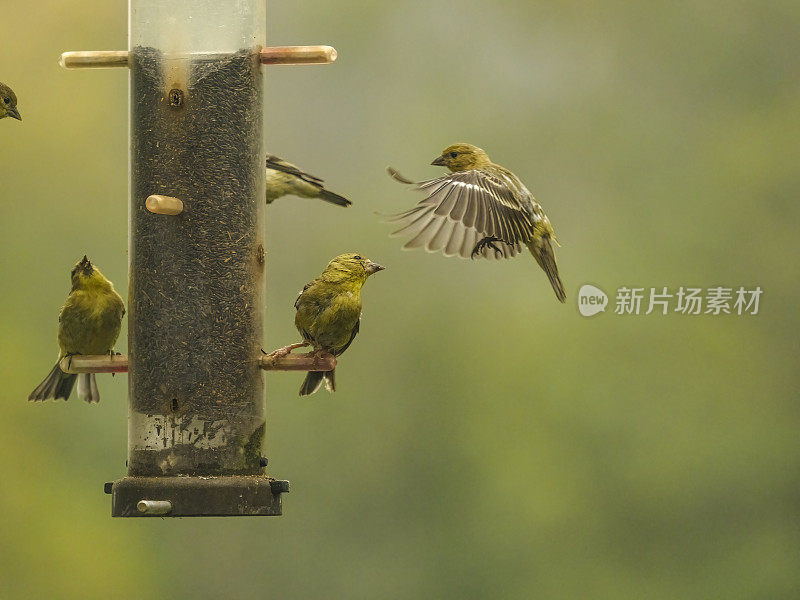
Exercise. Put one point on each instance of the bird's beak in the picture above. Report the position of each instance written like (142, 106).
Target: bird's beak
(438, 161)
(14, 113)
(86, 265)
(374, 268)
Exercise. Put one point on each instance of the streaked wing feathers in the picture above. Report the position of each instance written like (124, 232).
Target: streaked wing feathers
(274, 162)
(460, 209)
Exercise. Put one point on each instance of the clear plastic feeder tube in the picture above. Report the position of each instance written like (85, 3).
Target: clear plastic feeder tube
(197, 278)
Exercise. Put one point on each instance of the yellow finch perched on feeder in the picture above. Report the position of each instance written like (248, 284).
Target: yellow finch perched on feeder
(479, 209)
(89, 323)
(284, 178)
(329, 312)
(8, 103)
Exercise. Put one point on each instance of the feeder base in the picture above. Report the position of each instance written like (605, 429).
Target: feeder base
(228, 496)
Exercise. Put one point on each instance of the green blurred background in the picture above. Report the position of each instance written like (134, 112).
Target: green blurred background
(486, 442)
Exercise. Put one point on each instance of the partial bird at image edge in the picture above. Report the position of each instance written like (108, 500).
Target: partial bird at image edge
(8, 103)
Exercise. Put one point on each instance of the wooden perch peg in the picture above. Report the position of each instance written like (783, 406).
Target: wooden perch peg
(103, 59)
(164, 205)
(312, 361)
(101, 363)
(274, 55)
(298, 55)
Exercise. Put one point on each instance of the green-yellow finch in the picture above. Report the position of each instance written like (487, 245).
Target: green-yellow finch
(89, 323)
(284, 178)
(329, 312)
(8, 103)
(479, 209)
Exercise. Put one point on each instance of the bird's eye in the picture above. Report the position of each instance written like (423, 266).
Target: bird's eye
(357, 257)
(453, 154)
(7, 100)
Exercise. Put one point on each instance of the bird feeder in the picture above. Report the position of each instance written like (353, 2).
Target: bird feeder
(196, 414)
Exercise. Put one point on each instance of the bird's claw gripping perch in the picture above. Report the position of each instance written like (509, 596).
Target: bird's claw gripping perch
(284, 361)
(111, 354)
(285, 351)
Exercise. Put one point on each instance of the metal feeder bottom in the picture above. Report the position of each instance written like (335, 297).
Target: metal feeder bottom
(227, 496)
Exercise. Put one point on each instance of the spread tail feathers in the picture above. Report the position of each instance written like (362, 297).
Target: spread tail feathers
(542, 251)
(87, 388)
(314, 380)
(56, 385)
(336, 199)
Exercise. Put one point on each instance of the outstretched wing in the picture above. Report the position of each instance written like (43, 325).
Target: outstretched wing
(461, 209)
